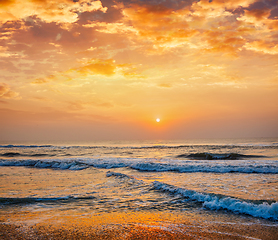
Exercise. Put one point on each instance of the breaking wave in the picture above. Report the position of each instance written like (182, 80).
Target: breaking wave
(71, 165)
(218, 156)
(150, 165)
(216, 202)
(184, 168)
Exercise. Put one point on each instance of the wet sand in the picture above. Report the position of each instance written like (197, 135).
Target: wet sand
(129, 225)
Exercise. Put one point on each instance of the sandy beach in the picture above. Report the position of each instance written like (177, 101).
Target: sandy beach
(129, 225)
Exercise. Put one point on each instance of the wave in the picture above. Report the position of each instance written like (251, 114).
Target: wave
(70, 165)
(54, 146)
(186, 146)
(25, 146)
(132, 181)
(30, 200)
(216, 202)
(16, 154)
(218, 156)
(119, 175)
(158, 167)
(149, 165)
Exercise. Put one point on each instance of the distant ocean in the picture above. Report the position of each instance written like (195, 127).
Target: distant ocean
(195, 189)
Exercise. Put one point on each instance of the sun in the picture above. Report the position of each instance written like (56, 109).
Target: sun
(158, 120)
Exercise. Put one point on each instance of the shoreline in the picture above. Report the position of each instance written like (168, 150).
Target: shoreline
(133, 225)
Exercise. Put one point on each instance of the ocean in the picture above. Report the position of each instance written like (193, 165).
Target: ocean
(184, 189)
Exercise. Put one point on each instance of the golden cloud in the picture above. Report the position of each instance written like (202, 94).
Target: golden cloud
(81, 105)
(223, 41)
(97, 66)
(165, 85)
(209, 10)
(206, 25)
(6, 92)
(61, 11)
(258, 14)
(40, 81)
(4, 3)
(162, 26)
(228, 4)
(111, 27)
(105, 67)
(267, 47)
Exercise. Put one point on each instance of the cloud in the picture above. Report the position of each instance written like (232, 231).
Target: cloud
(258, 14)
(223, 40)
(262, 14)
(101, 32)
(228, 4)
(49, 116)
(111, 27)
(40, 80)
(262, 46)
(165, 85)
(6, 92)
(274, 13)
(4, 3)
(97, 66)
(112, 14)
(104, 67)
(162, 26)
(221, 26)
(61, 11)
(81, 105)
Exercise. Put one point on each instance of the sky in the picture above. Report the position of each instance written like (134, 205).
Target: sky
(107, 69)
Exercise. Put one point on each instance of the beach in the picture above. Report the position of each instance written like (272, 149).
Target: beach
(139, 225)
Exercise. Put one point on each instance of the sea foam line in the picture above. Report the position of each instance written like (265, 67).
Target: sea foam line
(204, 167)
(213, 202)
(150, 165)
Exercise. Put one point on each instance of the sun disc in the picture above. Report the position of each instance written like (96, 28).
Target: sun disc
(158, 120)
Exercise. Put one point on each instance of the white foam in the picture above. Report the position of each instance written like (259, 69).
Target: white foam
(213, 202)
(206, 167)
(151, 165)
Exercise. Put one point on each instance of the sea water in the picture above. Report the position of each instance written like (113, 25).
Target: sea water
(206, 182)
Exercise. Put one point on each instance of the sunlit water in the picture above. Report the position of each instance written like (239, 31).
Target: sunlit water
(227, 181)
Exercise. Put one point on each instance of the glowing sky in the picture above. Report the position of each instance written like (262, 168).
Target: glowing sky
(95, 70)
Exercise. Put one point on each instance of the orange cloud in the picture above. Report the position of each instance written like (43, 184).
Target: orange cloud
(111, 27)
(6, 92)
(81, 105)
(229, 4)
(4, 3)
(223, 41)
(163, 26)
(262, 46)
(40, 80)
(259, 14)
(63, 11)
(97, 66)
(165, 85)
(105, 67)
